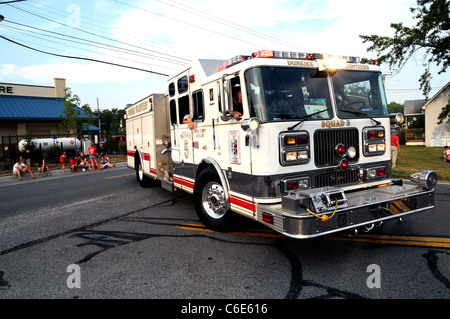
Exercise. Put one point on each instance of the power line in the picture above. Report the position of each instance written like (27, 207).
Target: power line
(81, 58)
(186, 23)
(104, 45)
(409, 90)
(71, 41)
(6, 2)
(101, 36)
(226, 22)
(130, 34)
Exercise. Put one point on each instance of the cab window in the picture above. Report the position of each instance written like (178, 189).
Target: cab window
(198, 105)
(183, 107)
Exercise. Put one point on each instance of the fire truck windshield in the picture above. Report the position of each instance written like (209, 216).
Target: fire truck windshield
(282, 93)
(359, 93)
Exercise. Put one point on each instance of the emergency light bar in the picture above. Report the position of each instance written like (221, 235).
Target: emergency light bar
(331, 61)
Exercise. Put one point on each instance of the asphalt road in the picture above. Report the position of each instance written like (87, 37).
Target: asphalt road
(133, 242)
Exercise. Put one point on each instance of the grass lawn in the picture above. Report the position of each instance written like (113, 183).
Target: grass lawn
(414, 159)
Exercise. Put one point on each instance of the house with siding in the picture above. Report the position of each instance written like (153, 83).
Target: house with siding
(431, 133)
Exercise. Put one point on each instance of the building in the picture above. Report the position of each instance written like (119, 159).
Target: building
(26, 109)
(430, 133)
(437, 135)
(414, 134)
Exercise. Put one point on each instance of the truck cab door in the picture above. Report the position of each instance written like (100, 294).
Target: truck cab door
(181, 142)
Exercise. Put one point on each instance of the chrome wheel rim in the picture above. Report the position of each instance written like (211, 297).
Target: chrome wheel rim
(213, 200)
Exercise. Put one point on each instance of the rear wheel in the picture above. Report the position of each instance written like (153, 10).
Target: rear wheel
(143, 179)
(210, 202)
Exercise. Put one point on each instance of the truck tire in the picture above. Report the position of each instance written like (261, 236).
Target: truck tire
(143, 180)
(209, 200)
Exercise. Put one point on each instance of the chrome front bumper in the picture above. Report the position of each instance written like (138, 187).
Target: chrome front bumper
(355, 208)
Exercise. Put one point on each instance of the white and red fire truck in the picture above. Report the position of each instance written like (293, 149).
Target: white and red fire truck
(299, 142)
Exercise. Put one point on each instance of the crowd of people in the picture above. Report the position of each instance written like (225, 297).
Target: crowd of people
(76, 163)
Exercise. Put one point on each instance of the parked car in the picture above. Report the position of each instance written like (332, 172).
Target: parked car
(120, 138)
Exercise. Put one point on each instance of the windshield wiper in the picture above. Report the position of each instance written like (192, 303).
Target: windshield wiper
(303, 118)
(361, 114)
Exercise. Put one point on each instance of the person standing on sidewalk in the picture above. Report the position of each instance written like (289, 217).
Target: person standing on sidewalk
(93, 157)
(62, 160)
(395, 149)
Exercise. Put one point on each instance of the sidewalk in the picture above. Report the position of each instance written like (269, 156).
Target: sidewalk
(14, 180)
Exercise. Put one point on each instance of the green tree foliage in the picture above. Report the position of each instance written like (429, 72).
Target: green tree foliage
(394, 107)
(75, 114)
(445, 114)
(430, 34)
(110, 122)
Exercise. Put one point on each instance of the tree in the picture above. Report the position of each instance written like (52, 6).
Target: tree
(111, 120)
(445, 114)
(431, 34)
(394, 107)
(74, 114)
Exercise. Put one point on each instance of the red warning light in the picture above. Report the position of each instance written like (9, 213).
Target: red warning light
(340, 149)
(344, 164)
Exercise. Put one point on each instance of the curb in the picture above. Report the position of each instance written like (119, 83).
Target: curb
(14, 180)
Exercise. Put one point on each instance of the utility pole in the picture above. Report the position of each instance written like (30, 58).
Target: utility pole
(99, 126)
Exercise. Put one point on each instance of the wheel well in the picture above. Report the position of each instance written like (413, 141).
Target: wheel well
(202, 166)
(137, 158)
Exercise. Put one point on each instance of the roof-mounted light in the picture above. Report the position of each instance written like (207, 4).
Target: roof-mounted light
(237, 59)
(326, 61)
(352, 59)
(314, 56)
(335, 62)
(263, 54)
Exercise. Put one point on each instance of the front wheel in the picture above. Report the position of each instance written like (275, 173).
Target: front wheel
(210, 202)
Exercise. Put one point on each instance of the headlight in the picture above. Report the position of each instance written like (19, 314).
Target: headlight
(374, 141)
(375, 172)
(294, 184)
(290, 156)
(294, 148)
(351, 152)
(296, 156)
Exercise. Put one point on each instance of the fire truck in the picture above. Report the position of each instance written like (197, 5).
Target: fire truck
(299, 142)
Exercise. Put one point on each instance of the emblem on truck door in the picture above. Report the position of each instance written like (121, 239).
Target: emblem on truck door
(234, 147)
(186, 148)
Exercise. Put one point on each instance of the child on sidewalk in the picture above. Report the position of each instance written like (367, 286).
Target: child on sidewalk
(62, 161)
(43, 167)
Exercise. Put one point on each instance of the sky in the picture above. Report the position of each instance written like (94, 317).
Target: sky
(158, 37)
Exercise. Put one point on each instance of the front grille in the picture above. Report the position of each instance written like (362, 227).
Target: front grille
(334, 178)
(325, 142)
